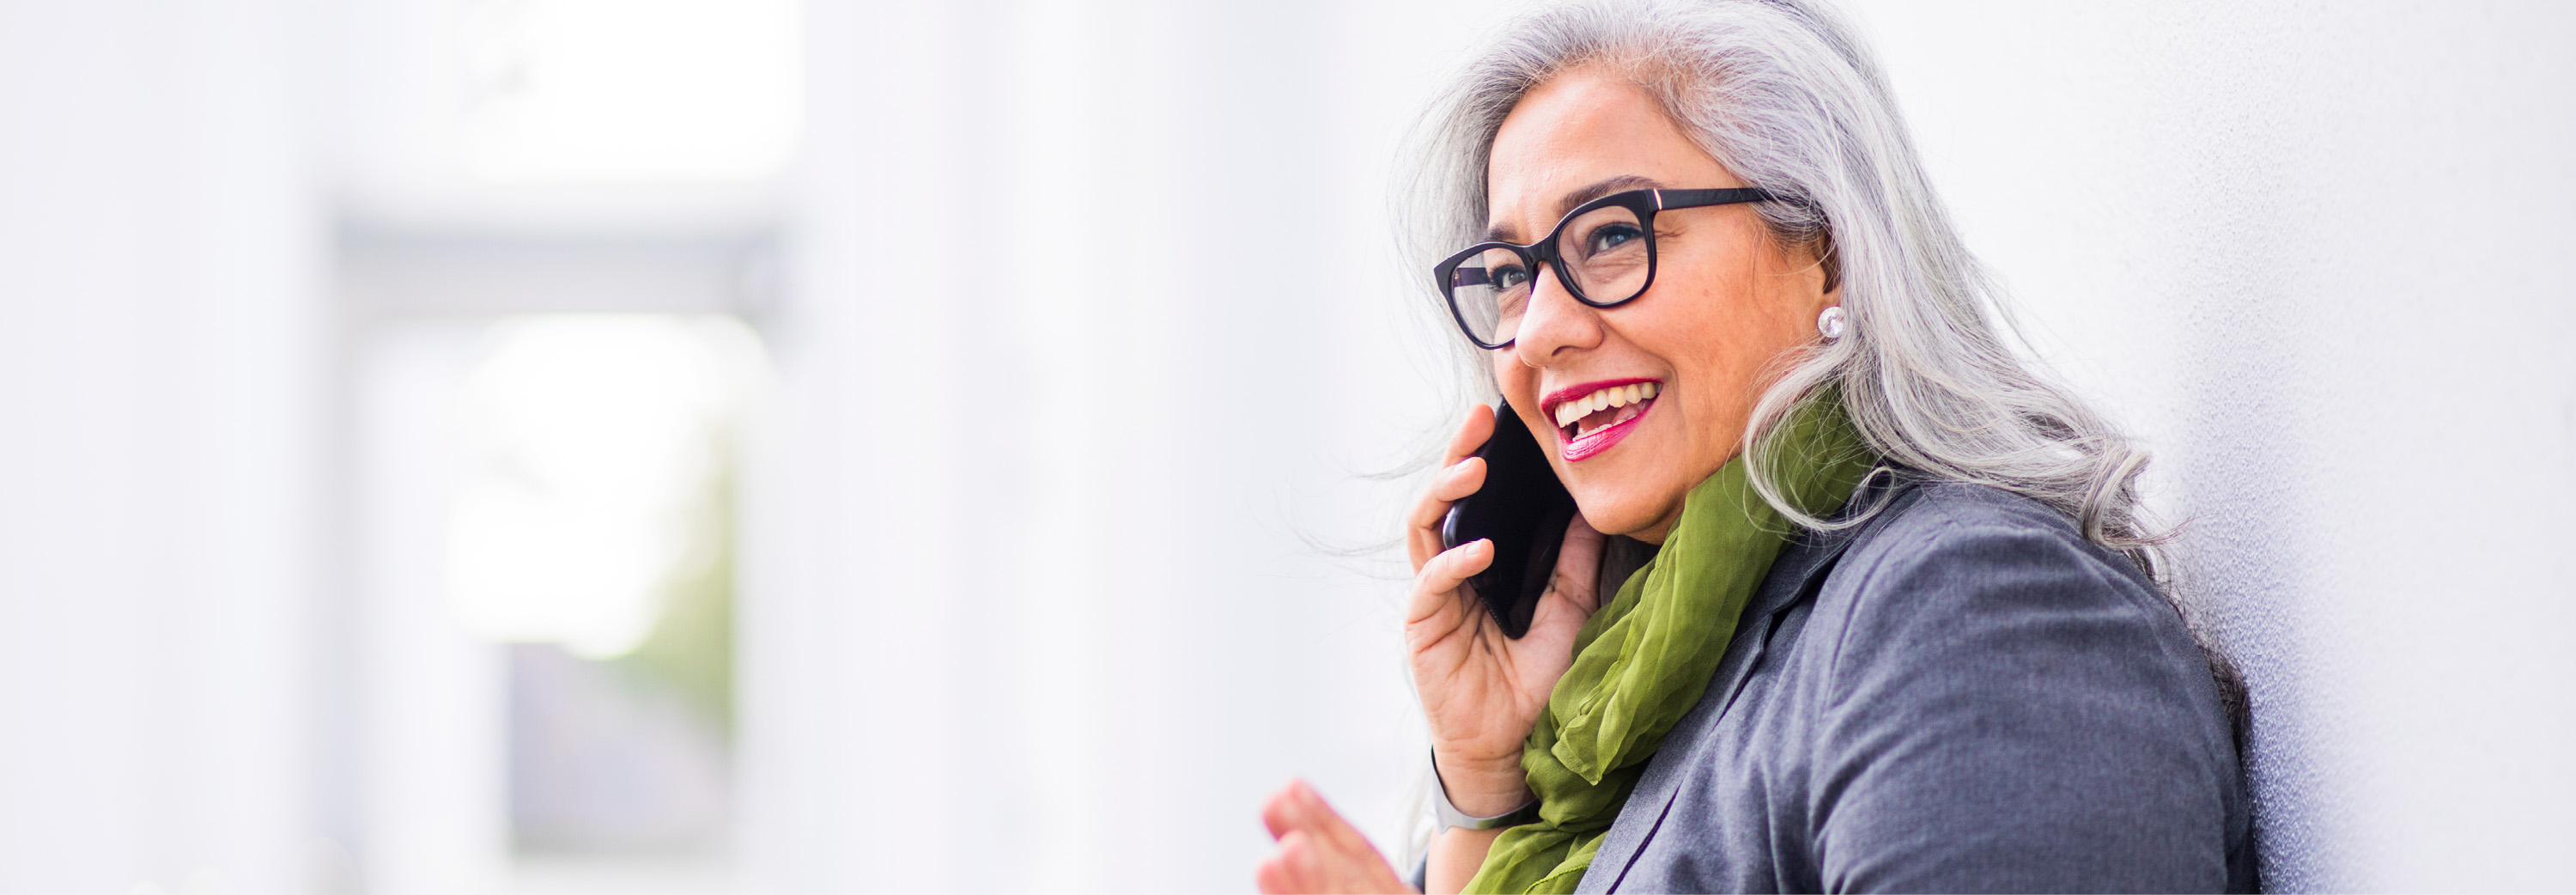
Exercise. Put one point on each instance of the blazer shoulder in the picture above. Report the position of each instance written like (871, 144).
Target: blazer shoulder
(1960, 522)
(1973, 664)
(1954, 556)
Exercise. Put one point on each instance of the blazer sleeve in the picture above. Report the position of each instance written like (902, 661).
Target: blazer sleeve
(2009, 711)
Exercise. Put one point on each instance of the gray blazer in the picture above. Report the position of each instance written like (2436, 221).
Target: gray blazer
(1962, 695)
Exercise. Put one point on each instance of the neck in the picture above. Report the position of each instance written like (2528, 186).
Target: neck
(1663, 528)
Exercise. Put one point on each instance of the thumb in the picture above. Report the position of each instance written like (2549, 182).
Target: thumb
(1578, 566)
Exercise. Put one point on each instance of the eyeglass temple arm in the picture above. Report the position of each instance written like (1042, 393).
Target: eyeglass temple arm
(1701, 198)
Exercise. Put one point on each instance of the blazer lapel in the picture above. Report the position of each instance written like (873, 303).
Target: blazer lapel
(1798, 572)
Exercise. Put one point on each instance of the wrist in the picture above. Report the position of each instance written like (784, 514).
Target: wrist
(1481, 788)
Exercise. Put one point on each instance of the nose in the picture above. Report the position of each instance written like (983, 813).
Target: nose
(1553, 323)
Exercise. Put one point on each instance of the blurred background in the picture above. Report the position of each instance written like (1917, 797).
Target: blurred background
(750, 445)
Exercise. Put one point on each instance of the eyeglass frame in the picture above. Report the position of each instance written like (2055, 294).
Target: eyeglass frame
(1644, 203)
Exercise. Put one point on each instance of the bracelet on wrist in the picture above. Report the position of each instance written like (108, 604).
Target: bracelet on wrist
(1450, 816)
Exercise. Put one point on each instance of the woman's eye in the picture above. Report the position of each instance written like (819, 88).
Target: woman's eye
(1509, 277)
(1611, 237)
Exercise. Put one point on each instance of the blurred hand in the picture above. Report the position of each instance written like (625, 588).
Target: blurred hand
(1318, 851)
(1482, 691)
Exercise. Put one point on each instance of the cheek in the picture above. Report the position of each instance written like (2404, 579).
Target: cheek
(1723, 380)
(1518, 383)
(1719, 343)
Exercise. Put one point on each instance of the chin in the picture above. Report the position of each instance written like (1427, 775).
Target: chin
(1615, 515)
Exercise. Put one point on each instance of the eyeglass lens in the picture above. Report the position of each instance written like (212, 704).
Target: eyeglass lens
(1602, 254)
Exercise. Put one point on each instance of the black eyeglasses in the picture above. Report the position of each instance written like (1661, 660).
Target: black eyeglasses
(1611, 263)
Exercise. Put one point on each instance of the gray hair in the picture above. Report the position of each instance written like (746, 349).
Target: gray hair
(1783, 93)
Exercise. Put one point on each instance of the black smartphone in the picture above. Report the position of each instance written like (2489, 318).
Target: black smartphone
(1523, 509)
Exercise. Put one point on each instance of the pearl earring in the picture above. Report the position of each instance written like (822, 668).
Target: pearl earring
(1830, 323)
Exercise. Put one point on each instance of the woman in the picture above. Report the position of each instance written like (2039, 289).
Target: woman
(1896, 626)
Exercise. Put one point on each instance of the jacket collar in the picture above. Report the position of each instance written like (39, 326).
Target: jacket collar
(1796, 576)
(1802, 566)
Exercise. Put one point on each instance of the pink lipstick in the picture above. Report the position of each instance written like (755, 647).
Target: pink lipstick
(1614, 405)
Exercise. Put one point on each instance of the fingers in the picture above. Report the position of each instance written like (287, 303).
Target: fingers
(1457, 478)
(1277, 812)
(1318, 850)
(1296, 808)
(1290, 871)
(1422, 529)
(1578, 565)
(1573, 594)
(1435, 588)
(1313, 815)
(1472, 433)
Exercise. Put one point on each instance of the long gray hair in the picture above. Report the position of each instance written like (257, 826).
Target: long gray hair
(1783, 93)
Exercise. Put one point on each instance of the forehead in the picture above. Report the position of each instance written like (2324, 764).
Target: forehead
(1577, 129)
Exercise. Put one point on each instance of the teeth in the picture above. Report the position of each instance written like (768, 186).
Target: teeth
(1615, 396)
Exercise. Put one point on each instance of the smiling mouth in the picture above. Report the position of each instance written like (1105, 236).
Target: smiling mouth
(1594, 420)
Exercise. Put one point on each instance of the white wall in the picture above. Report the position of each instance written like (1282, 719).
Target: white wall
(2320, 256)
(159, 373)
(1089, 328)
(428, 740)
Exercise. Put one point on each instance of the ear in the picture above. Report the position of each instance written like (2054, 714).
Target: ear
(1818, 253)
(1817, 266)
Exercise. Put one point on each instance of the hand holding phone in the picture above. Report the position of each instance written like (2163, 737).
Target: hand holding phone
(1481, 690)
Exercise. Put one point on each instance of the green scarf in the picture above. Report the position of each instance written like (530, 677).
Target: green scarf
(1643, 661)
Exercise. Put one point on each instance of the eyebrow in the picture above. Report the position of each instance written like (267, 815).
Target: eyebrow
(1576, 197)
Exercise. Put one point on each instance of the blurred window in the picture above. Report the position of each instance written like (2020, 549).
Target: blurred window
(592, 530)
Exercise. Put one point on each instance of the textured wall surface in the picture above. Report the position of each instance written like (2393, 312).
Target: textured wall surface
(2320, 257)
